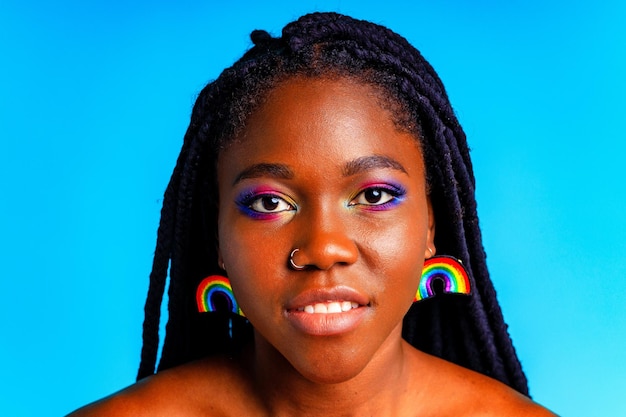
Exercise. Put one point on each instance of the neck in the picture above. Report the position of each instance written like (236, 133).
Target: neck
(376, 389)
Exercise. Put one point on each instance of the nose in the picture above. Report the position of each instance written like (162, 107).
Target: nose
(324, 244)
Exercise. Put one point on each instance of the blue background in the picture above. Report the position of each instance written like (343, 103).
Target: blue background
(94, 100)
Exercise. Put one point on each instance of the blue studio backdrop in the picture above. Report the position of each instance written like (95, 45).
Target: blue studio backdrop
(95, 97)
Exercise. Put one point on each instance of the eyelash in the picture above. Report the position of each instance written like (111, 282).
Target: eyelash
(396, 196)
(248, 200)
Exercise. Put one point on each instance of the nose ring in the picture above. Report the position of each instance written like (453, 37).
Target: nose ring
(293, 264)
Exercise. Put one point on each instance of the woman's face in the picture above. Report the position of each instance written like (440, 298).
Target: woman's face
(321, 167)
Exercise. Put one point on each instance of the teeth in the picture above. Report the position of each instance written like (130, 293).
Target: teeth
(330, 307)
(320, 308)
(334, 308)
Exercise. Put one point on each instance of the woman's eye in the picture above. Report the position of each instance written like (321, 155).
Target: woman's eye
(270, 204)
(373, 197)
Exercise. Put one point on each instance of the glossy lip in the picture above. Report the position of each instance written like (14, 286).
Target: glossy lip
(331, 323)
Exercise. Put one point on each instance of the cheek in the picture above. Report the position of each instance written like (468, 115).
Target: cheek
(402, 238)
(251, 263)
(398, 253)
(247, 277)
(238, 246)
(243, 259)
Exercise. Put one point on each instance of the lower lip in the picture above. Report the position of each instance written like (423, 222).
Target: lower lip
(326, 324)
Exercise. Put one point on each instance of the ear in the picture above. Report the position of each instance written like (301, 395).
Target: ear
(430, 250)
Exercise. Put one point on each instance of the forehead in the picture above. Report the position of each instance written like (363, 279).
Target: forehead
(306, 119)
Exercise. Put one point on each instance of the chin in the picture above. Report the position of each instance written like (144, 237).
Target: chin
(332, 368)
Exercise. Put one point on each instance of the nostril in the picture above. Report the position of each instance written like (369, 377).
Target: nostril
(324, 253)
(293, 263)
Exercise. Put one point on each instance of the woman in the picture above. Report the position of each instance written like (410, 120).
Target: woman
(318, 174)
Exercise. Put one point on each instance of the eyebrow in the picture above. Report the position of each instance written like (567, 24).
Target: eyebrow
(367, 163)
(280, 171)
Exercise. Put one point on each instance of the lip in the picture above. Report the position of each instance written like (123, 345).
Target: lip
(322, 295)
(331, 323)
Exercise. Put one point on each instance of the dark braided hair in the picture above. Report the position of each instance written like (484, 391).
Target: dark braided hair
(469, 331)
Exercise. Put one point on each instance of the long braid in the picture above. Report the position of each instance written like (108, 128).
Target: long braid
(470, 332)
(152, 309)
(158, 276)
(169, 244)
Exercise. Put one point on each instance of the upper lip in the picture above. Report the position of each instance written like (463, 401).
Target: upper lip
(324, 295)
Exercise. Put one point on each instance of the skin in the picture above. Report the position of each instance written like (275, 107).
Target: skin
(314, 170)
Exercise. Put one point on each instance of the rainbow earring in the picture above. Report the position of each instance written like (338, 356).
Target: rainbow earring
(447, 269)
(215, 292)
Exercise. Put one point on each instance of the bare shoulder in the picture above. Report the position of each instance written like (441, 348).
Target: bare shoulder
(208, 387)
(462, 392)
(493, 398)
